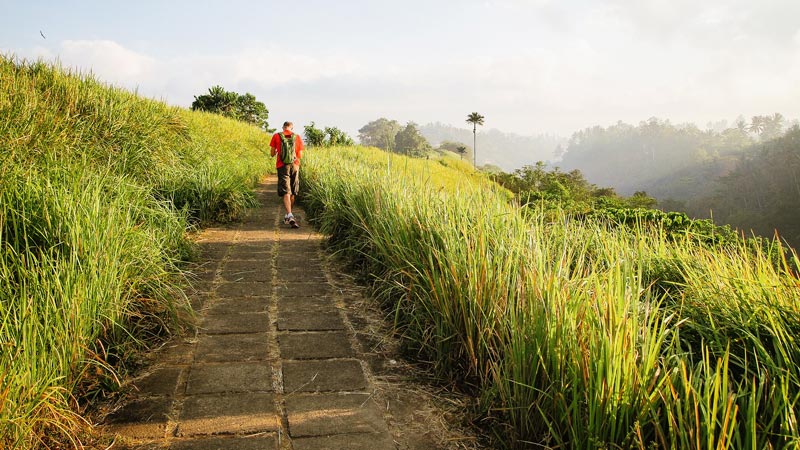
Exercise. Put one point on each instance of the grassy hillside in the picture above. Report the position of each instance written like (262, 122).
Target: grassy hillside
(99, 187)
(573, 333)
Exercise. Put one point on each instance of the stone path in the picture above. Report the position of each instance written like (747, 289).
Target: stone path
(272, 365)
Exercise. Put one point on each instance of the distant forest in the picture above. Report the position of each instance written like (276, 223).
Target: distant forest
(747, 175)
(507, 151)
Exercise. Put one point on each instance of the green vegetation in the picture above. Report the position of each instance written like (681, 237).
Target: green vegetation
(390, 135)
(329, 137)
(236, 106)
(573, 333)
(379, 133)
(410, 142)
(762, 192)
(99, 187)
(650, 156)
(745, 176)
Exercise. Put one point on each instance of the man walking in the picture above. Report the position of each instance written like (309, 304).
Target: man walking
(289, 148)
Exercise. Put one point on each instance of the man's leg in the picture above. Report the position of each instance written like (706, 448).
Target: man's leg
(288, 199)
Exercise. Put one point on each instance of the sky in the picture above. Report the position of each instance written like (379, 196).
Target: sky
(528, 66)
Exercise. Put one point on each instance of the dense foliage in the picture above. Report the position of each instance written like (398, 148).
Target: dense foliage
(645, 157)
(410, 142)
(390, 135)
(565, 190)
(574, 334)
(236, 106)
(745, 175)
(762, 192)
(99, 187)
(379, 133)
(328, 137)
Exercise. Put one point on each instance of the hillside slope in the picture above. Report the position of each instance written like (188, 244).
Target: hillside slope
(99, 187)
(573, 333)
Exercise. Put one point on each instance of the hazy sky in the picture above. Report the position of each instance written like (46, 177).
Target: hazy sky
(529, 66)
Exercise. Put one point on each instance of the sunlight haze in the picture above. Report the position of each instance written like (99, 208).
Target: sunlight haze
(529, 67)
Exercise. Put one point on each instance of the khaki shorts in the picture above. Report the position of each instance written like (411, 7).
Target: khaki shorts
(288, 179)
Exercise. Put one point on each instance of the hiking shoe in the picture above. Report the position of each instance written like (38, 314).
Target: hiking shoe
(293, 223)
(286, 220)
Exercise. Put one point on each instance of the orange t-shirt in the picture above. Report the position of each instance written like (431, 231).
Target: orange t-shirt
(275, 143)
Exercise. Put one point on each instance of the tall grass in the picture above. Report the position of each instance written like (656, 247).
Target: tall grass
(574, 334)
(98, 188)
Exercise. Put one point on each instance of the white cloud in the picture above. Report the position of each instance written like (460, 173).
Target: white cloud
(272, 65)
(109, 61)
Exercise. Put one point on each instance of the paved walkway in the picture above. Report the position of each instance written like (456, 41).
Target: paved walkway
(272, 365)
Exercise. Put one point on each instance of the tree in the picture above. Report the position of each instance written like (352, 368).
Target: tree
(230, 104)
(475, 119)
(218, 100)
(757, 125)
(640, 199)
(337, 137)
(455, 147)
(379, 133)
(250, 110)
(314, 136)
(462, 150)
(450, 146)
(773, 127)
(411, 142)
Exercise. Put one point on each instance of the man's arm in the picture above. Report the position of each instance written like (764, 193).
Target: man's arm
(272, 148)
(300, 148)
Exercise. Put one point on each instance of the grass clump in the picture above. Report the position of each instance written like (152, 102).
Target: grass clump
(99, 187)
(573, 332)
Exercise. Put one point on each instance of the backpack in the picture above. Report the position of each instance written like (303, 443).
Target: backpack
(287, 149)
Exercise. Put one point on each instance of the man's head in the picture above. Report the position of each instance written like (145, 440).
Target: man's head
(288, 126)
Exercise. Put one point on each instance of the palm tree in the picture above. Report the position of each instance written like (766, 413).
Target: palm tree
(462, 150)
(757, 125)
(475, 119)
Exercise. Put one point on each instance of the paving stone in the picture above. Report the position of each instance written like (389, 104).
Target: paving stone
(309, 250)
(303, 289)
(161, 381)
(230, 377)
(301, 275)
(360, 441)
(235, 323)
(309, 321)
(297, 304)
(214, 250)
(232, 347)
(200, 288)
(304, 234)
(142, 418)
(323, 375)
(250, 254)
(178, 353)
(242, 289)
(233, 413)
(328, 414)
(256, 233)
(206, 275)
(291, 262)
(315, 345)
(227, 443)
(260, 275)
(237, 305)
